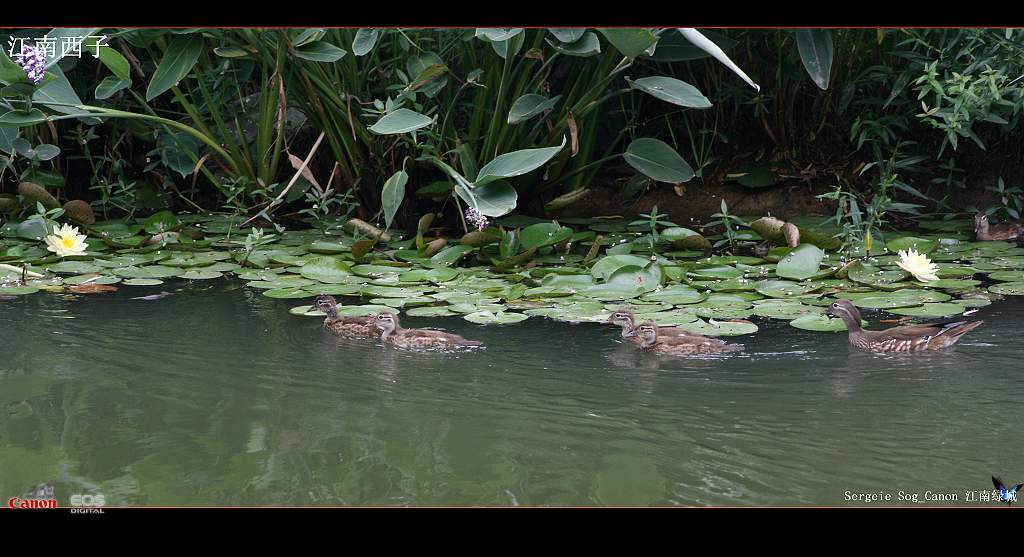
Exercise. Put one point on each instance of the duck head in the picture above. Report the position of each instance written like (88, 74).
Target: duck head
(845, 310)
(387, 323)
(326, 304)
(980, 222)
(623, 318)
(648, 333)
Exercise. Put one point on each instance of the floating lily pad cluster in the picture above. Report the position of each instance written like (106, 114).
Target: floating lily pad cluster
(576, 270)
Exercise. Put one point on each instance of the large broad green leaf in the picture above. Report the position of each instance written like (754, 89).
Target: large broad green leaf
(493, 199)
(164, 221)
(530, 105)
(365, 40)
(815, 46)
(516, 163)
(179, 59)
(611, 263)
(673, 47)
(115, 62)
(320, 51)
(543, 234)
(630, 41)
(427, 72)
(656, 160)
(58, 92)
(402, 120)
(498, 34)
(567, 34)
(919, 245)
(110, 85)
(22, 118)
(392, 195)
(587, 45)
(326, 269)
(671, 90)
(801, 262)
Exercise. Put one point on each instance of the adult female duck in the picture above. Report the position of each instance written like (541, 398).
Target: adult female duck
(911, 338)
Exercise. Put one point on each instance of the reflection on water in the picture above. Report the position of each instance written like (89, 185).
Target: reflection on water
(217, 397)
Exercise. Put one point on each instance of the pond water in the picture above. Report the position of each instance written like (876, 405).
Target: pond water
(216, 395)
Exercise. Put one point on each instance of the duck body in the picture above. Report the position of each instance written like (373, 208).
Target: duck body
(417, 339)
(688, 345)
(625, 319)
(356, 327)
(911, 338)
(986, 232)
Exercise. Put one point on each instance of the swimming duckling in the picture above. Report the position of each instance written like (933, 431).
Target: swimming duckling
(986, 232)
(681, 345)
(358, 327)
(627, 320)
(910, 338)
(393, 333)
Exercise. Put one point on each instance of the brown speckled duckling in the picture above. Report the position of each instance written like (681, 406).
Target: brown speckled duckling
(627, 320)
(911, 338)
(1003, 231)
(691, 345)
(358, 327)
(393, 333)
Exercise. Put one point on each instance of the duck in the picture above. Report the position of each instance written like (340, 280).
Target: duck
(358, 327)
(689, 345)
(908, 338)
(391, 332)
(627, 320)
(986, 232)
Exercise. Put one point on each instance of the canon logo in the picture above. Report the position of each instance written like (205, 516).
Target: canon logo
(19, 503)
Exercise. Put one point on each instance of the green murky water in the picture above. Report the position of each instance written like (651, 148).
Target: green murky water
(217, 397)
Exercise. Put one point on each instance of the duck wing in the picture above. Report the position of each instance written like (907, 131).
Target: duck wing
(930, 330)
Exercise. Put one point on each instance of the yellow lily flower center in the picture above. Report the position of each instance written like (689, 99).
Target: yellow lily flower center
(68, 241)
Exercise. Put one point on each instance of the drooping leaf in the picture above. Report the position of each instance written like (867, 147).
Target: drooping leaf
(392, 195)
(178, 60)
(656, 160)
(671, 90)
(320, 51)
(516, 163)
(530, 105)
(567, 34)
(815, 47)
(402, 120)
(587, 45)
(801, 262)
(630, 41)
(365, 40)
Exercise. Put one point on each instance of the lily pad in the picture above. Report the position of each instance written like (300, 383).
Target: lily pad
(326, 269)
(142, 282)
(1008, 288)
(430, 311)
(495, 318)
(819, 323)
(200, 275)
(783, 288)
(801, 262)
(288, 293)
(17, 290)
(930, 310)
(720, 328)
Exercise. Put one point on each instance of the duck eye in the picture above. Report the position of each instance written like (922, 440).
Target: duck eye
(835, 305)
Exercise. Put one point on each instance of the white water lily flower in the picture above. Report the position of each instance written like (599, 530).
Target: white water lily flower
(66, 241)
(918, 265)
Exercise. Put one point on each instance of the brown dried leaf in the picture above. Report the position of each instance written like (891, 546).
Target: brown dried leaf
(573, 133)
(91, 288)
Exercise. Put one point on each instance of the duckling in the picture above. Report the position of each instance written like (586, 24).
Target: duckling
(359, 327)
(909, 338)
(392, 333)
(627, 320)
(691, 345)
(1002, 231)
